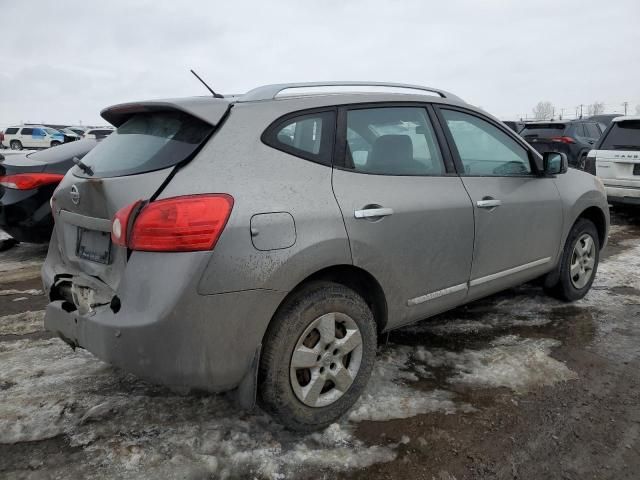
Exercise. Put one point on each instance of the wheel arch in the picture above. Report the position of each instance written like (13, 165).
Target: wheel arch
(356, 278)
(597, 217)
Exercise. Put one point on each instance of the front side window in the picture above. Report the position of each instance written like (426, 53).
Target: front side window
(146, 142)
(484, 149)
(392, 141)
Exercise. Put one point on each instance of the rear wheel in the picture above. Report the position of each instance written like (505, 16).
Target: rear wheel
(318, 355)
(15, 145)
(582, 161)
(579, 262)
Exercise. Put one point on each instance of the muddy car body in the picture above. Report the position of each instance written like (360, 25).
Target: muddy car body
(261, 242)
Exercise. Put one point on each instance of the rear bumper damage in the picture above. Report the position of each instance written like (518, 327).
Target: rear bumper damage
(204, 342)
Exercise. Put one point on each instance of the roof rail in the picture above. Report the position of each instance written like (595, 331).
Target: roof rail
(270, 92)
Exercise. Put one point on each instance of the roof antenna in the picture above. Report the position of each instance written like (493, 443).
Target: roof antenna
(215, 95)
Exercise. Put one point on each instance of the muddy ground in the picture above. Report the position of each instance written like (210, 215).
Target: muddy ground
(514, 386)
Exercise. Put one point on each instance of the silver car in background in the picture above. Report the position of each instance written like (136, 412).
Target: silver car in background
(262, 242)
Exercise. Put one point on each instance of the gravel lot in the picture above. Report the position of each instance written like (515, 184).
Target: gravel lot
(514, 386)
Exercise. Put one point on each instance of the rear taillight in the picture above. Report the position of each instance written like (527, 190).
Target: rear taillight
(28, 181)
(121, 223)
(563, 139)
(178, 224)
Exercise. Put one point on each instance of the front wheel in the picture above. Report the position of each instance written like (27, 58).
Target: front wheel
(55, 143)
(579, 262)
(318, 355)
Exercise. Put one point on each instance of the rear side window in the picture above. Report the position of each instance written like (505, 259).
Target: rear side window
(11, 131)
(146, 142)
(578, 130)
(392, 141)
(592, 130)
(623, 135)
(309, 136)
(27, 131)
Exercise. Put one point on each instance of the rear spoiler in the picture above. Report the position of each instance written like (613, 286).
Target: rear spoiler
(210, 110)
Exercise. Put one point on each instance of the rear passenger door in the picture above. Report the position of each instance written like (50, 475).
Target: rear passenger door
(518, 213)
(26, 138)
(407, 214)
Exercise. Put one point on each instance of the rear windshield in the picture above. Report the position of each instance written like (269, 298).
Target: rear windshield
(623, 135)
(146, 142)
(543, 130)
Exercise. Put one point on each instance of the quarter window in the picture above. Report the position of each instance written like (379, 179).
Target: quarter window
(11, 131)
(484, 149)
(592, 130)
(392, 141)
(308, 136)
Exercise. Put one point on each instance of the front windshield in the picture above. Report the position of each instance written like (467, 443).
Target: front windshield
(51, 131)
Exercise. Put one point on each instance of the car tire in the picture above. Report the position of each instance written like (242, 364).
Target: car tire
(590, 165)
(579, 262)
(303, 391)
(582, 161)
(55, 143)
(15, 145)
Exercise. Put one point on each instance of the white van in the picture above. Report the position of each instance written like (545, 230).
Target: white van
(31, 136)
(617, 160)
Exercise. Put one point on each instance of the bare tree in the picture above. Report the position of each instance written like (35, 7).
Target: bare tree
(596, 108)
(543, 111)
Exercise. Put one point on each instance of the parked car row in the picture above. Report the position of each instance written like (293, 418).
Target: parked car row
(262, 242)
(27, 183)
(42, 136)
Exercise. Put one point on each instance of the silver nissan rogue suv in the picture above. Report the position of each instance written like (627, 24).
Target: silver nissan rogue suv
(261, 242)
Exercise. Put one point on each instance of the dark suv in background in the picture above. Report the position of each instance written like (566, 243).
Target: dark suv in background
(574, 138)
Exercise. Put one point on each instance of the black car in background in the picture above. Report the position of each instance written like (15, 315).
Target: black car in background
(26, 185)
(514, 125)
(574, 138)
(604, 119)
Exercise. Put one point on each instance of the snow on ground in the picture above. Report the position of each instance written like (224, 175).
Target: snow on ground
(513, 362)
(128, 428)
(22, 323)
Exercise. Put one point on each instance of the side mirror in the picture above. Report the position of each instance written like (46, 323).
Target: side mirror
(555, 163)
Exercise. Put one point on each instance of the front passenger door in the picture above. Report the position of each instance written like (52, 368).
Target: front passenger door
(518, 214)
(407, 215)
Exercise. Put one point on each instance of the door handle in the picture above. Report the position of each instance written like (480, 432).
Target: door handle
(373, 212)
(489, 203)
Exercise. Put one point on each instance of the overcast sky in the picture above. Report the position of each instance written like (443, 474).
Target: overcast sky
(63, 61)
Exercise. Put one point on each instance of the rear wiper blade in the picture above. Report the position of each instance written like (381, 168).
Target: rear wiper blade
(83, 166)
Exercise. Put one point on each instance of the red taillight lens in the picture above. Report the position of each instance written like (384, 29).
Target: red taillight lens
(563, 139)
(178, 224)
(121, 223)
(28, 181)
